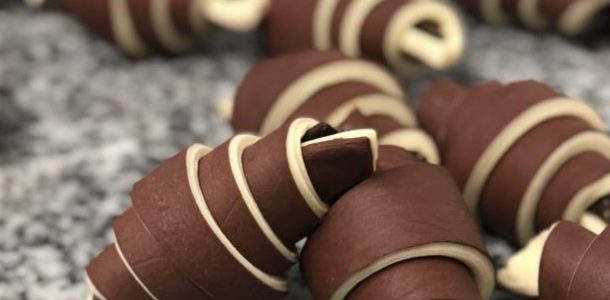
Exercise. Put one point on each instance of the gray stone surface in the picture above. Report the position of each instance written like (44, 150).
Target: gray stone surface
(79, 124)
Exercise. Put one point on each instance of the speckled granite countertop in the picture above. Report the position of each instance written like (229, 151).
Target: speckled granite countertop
(79, 124)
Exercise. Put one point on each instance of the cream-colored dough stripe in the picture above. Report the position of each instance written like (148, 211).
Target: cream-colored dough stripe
(374, 104)
(169, 36)
(414, 140)
(590, 141)
(451, 45)
(481, 268)
(239, 16)
(296, 164)
(592, 222)
(579, 14)
(131, 271)
(297, 167)
(302, 89)
(93, 289)
(531, 15)
(237, 146)
(193, 155)
(492, 12)
(322, 23)
(588, 196)
(124, 30)
(532, 117)
(352, 23)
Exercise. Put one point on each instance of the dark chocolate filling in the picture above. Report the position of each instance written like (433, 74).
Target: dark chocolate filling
(602, 208)
(320, 130)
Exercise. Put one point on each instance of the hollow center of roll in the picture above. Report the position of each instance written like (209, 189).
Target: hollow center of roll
(430, 26)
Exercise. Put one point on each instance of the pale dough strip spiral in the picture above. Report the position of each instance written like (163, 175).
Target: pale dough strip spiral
(512, 132)
(479, 265)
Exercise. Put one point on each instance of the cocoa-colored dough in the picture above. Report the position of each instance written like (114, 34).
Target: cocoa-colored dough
(373, 31)
(112, 278)
(570, 17)
(575, 264)
(223, 224)
(575, 174)
(165, 203)
(150, 263)
(229, 208)
(181, 15)
(466, 121)
(261, 87)
(142, 18)
(95, 14)
(393, 157)
(288, 26)
(398, 208)
(513, 174)
(563, 251)
(593, 273)
(554, 9)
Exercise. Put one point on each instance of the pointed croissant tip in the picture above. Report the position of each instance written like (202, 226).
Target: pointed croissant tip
(520, 274)
(369, 134)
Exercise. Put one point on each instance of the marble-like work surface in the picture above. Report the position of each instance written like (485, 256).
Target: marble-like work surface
(79, 124)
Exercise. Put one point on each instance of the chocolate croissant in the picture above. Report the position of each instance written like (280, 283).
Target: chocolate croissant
(406, 34)
(222, 223)
(567, 262)
(571, 17)
(525, 155)
(326, 85)
(140, 27)
(404, 233)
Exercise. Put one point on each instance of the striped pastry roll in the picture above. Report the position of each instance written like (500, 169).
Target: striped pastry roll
(140, 27)
(404, 233)
(525, 155)
(406, 34)
(566, 262)
(571, 17)
(326, 85)
(222, 223)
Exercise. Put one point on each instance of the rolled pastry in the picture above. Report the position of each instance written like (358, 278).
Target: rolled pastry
(575, 264)
(524, 154)
(567, 262)
(404, 233)
(326, 85)
(571, 17)
(140, 27)
(222, 223)
(406, 34)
